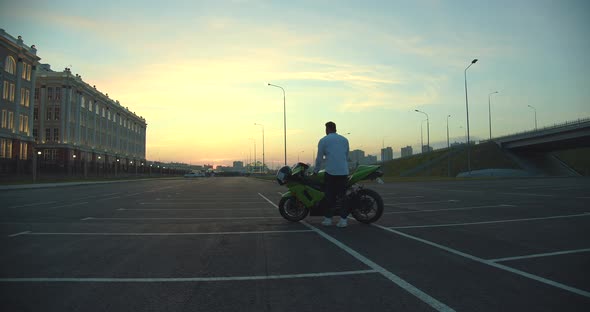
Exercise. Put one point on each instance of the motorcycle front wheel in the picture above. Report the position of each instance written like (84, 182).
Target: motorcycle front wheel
(367, 206)
(292, 209)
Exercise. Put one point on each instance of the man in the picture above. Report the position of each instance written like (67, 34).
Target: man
(334, 148)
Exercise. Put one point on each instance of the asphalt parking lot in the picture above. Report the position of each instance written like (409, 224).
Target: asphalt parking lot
(219, 244)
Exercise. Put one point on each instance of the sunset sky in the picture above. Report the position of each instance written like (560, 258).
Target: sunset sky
(198, 70)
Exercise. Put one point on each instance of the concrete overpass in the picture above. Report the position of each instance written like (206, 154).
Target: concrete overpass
(568, 135)
(533, 150)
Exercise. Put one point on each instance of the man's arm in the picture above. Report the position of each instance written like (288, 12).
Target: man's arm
(319, 157)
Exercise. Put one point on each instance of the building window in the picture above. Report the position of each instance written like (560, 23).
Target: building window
(83, 102)
(22, 96)
(36, 93)
(58, 93)
(27, 97)
(26, 124)
(56, 135)
(36, 134)
(48, 115)
(36, 113)
(24, 150)
(10, 65)
(10, 120)
(103, 112)
(29, 69)
(21, 123)
(57, 112)
(50, 93)
(109, 115)
(90, 106)
(47, 135)
(5, 90)
(12, 91)
(4, 118)
(97, 109)
(24, 73)
(5, 145)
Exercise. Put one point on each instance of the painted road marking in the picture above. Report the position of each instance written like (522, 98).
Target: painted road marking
(195, 203)
(399, 197)
(427, 202)
(439, 306)
(189, 209)
(187, 218)
(179, 279)
(547, 254)
(527, 194)
(68, 205)
(31, 205)
(20, 233)
(490, 263)
(155, 234)
(490, 222)
(449, 209)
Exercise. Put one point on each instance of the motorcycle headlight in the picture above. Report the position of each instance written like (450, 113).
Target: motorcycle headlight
(283, 174)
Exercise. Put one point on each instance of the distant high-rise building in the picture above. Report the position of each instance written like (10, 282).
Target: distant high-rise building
(356, 156)
(426, 149)
(369, 159)
(406, 151)
(386, 154)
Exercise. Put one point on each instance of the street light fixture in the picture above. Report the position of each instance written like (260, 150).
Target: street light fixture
(427, 128)
(535, 116)
(257, 124)
(490, 111)
(284, 118)
(467, 110)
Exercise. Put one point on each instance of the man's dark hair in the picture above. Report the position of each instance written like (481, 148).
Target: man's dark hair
(331, 126)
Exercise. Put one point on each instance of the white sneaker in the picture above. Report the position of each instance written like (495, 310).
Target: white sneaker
(342, 223)
(327, 221)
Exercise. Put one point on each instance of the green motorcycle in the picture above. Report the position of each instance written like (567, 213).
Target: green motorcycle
(306, 194)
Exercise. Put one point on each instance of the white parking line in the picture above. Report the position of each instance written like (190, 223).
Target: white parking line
(31, 205)
(427, 202)
(190, 209)
(194, 203)
(527, 194)
(439, 306)
(178, 279)
(154, 234)
(489, 222)
(490, 263)
(68, 205)
(19, 233)
(180, 218)
(449, 209)
(548, 254)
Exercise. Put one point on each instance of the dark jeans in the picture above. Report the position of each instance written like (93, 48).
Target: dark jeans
(335, 187)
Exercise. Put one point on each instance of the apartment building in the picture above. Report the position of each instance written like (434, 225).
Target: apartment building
(17, 80)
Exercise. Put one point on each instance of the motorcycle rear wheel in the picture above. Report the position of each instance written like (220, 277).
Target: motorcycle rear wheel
(367, 206)
(292, 209)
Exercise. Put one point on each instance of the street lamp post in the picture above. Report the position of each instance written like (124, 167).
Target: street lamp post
(490, 111)
(254, 154)
(284, 119)
(257, 124)
(427, 129)
(535, 116)
(448, 148)
(467, 110)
